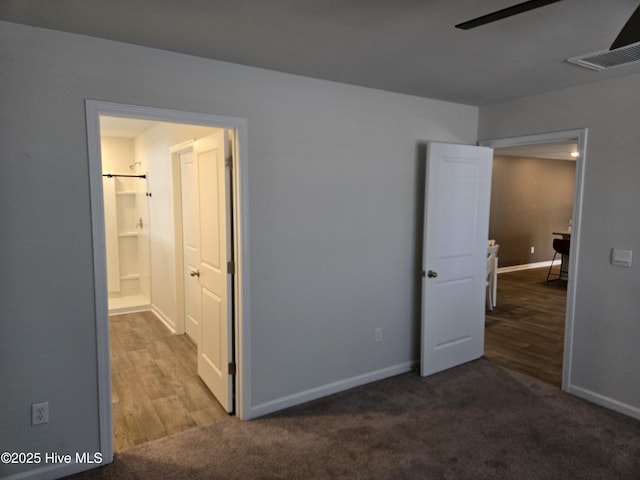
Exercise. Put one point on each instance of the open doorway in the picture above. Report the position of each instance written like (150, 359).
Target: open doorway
(529, 329)
(126, 214)
(153, 156)
(156, 384)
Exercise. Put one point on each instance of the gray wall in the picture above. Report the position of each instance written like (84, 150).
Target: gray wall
(604, 366)
(530, 199)
(335, 211)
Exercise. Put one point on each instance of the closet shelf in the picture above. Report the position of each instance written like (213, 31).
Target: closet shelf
(131, 276)
(126, 192)
(128, 234)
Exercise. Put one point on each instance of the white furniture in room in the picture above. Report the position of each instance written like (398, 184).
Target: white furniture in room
(492, 273)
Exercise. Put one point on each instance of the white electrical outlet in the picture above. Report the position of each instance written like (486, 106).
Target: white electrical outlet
(378, 335)
(533, 249)
(39, 413)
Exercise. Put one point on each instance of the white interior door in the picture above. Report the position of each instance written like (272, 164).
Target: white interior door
(190, 244)
(215, 342)
(456, 227)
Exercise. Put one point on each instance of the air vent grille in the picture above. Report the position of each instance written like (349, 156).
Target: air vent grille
(609, 58)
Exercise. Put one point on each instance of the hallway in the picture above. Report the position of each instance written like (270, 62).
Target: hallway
(155, 387)
(525, 331)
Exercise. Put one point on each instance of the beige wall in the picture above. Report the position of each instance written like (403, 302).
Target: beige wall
(530, 199)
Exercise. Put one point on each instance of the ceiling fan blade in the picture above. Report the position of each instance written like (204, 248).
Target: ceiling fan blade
(504, 13)
(630, 33)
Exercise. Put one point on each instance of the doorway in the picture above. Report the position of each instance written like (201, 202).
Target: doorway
(126, 214)
(539, 141)
(237, 179)
(143, 356)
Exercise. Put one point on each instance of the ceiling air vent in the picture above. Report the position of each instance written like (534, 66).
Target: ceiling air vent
(609, 58)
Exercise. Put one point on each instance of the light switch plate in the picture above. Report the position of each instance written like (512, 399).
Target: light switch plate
(621, 258)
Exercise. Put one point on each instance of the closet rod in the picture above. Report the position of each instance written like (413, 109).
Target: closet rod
(116, 175)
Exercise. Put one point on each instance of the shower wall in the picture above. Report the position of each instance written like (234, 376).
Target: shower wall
(126, 227)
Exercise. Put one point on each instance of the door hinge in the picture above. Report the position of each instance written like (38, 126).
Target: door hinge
(228, 162)
(232, 368)
(231, 267)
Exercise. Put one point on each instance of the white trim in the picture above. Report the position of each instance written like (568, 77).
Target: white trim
(242, 303)
(605, 401)
(574, 253)
(100, 283)
(171, 326)
(329, 389)
(536, 138)
(528, 266)
(176, 180)
(121, 310)
(183, 147)
(243, 379)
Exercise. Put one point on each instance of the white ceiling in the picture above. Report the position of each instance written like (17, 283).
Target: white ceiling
(407, 46)
(124, 127)
(555, 150)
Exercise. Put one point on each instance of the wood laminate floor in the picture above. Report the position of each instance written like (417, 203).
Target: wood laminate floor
(155, 389)
(525, 331)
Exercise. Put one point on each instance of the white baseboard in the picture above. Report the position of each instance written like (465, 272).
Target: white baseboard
(604, 401)
(164, 319)
(527, 266)
(121, 310)
(329, 389)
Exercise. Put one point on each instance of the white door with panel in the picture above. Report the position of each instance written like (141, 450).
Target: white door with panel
(456, 227)
(215, 343)
(190, 243)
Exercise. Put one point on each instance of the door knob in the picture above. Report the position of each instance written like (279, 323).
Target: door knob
(432, 274)
(194, 273)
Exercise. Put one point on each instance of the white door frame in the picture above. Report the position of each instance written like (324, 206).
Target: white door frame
(240, 183)
(580, 135)
(176, 150)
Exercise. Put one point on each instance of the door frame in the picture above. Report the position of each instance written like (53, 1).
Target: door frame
(241, 300)
(580, 135)
(175, 151)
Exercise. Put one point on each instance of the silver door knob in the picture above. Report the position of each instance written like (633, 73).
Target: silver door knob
(194, 273)
(432, 274)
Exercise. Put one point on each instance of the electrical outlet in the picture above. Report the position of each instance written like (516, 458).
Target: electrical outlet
(533, 249)
(378, 335)
(39, 413)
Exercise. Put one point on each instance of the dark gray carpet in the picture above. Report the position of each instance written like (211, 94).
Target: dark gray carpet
(476, 421)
